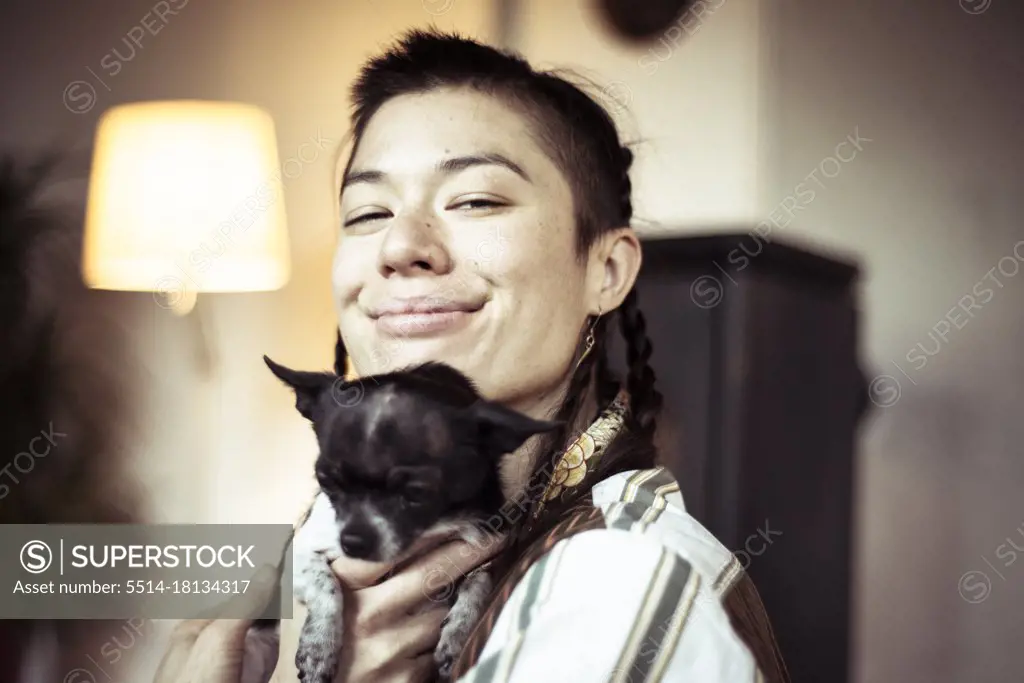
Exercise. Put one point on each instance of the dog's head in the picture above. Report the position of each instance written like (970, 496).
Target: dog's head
(405, 451)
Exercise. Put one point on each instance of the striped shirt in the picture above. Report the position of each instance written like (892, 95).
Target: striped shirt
(639, 596)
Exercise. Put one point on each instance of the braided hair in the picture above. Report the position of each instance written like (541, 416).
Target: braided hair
(580, 137)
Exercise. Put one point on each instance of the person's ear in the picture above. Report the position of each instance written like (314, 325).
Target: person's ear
(502, 430)
(308, 386)
(615, 261)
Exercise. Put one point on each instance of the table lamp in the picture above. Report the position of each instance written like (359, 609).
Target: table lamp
(185, 197)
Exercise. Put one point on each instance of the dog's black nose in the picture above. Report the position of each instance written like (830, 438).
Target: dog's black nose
(356, 545)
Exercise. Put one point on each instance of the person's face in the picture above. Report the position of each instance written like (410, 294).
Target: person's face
(458, 245)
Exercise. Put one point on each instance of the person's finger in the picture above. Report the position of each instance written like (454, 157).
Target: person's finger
(359, 574)
(206, 643)
(179, 649)
(419, 634)
(433, 577)
(378, 607)
(226, 635)
(171, 665)
(187, 630)
(250, 604)
(405, 634)
(460, 556)
(418, 670)
(218, 653)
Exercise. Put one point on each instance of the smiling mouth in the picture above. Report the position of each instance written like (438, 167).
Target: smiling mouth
(422, 318)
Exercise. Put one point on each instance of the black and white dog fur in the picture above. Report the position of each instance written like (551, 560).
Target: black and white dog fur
(407, 459)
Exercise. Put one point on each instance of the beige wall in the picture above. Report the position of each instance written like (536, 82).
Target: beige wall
(689, 101)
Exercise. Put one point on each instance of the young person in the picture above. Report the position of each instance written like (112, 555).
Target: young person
(484, 221)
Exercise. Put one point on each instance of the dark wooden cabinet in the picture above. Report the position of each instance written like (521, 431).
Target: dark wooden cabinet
(755, 350)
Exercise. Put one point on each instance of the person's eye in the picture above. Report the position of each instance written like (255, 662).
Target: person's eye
(476, 204)
(367, 216)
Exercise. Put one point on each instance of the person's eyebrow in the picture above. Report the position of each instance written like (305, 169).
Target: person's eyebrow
(456, 164)
(447, 167)
(354, 178)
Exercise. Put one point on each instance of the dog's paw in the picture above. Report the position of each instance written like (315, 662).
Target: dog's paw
(455, 630)
(462, 618)
(316, 664)
(444, 662)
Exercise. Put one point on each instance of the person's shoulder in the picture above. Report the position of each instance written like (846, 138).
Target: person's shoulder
(633, 584)
(648, 504)
(635, 538)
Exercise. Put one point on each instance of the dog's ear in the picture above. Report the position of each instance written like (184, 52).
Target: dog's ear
(502, 430)
(308, 386)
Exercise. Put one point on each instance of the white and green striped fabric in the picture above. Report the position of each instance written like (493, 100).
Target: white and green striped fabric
(636, 602)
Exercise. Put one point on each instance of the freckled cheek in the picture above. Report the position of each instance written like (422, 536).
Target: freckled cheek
(542, 269)
(538, 303)
(479, 252)
(499, 244)
(509, 255)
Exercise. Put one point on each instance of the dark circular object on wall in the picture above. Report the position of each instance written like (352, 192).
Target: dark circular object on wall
(640, 20)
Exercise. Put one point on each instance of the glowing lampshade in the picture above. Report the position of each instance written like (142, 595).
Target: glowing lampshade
(186, 197)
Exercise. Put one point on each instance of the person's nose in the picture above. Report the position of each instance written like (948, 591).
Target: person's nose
(415, 244)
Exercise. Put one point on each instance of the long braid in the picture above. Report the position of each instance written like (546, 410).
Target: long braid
(607, 382)
(645, 399)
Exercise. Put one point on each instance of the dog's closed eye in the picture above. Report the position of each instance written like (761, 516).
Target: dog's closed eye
(417, 486)
(417, 494)
(422, 475)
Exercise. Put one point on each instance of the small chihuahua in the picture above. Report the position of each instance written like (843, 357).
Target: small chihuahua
(407, 459)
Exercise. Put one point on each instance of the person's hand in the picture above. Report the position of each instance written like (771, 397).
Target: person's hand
(212, 650)
(205, 651)
(392, 625)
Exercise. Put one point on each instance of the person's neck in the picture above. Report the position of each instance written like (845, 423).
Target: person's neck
(516, 467)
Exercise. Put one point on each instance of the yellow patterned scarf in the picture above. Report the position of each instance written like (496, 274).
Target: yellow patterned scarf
(585, 452)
